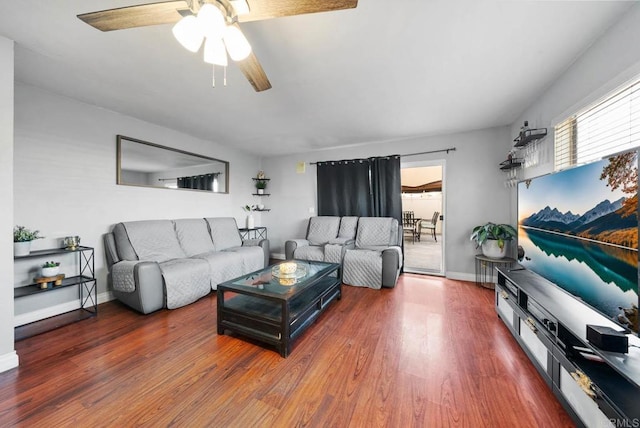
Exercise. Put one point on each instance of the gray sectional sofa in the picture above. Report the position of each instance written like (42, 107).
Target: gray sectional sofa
(156, 264)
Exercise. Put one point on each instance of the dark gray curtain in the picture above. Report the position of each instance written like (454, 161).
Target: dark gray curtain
(198, 182)
(343, 188)
(386, 187)
(361, 187)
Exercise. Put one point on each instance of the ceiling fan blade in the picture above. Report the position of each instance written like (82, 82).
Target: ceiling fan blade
(135, 16)
(253, 71)
(267, 9)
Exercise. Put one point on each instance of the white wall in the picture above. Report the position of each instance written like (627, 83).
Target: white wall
(8, 357)
(610, 62)
(65, 180)
(475, 192)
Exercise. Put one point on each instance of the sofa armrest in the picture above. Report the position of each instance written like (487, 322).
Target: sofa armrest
(262, 243)
(138, 285)
(391, 262)
(291, 246)
(110, 250)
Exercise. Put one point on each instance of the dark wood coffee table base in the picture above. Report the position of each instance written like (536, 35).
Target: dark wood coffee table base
(275, 321)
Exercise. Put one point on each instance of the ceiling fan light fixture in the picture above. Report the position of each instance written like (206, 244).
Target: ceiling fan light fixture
(215, 52)
(236, 43)
(211, 21)
(188, 33)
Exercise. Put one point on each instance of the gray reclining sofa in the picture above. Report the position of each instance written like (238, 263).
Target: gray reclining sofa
(155, 264)
(369, 248)
(327, 239)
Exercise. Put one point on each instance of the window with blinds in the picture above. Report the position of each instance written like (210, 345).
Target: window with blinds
(608, 127)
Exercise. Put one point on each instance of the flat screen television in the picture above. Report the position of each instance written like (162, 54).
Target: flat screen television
(578, 228)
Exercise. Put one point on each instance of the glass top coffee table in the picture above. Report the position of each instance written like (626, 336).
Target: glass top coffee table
(276, 304)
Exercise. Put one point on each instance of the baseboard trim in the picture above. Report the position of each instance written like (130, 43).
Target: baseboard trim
(9, 361)
(461, 276)
(51, 311)
(105, 297)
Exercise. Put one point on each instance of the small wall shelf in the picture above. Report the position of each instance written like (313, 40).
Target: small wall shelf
(261, 194)
(529, 136)
(511, 164)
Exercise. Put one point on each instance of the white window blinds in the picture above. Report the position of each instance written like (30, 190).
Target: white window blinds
(608, 127)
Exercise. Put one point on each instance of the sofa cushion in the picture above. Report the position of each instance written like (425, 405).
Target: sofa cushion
(193, 236)
(154, 240)
(322, 229)
(223, 266)
(224, 232)
(252, 257)
(363, 268)
(333, 253)
(186, 280)
(374, 232)
(348, 227)
(310, 252)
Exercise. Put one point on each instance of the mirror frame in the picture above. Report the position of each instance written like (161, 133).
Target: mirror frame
(119, 181)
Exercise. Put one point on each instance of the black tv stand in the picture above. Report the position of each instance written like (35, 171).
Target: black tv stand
(597, 388)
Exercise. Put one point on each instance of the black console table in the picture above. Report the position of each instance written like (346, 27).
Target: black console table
(258, 232)
(84, 279)
(597, 388)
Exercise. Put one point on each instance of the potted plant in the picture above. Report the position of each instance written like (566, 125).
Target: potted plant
(260, 186)
(50, 269)
(492, 237)
(22, 238)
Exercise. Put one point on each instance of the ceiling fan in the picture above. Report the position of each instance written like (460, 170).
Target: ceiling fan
(199, 20)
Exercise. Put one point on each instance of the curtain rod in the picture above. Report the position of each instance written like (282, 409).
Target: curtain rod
(215, 174)
(450, 149)
(355, 160)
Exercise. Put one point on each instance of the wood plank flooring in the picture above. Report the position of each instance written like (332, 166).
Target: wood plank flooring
(429, 353)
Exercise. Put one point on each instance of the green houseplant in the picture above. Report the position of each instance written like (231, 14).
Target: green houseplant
(22, 238)
(50, 269)
(261, 185)
(492, 237)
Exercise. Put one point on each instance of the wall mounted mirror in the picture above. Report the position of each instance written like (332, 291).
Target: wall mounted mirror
(141, 163)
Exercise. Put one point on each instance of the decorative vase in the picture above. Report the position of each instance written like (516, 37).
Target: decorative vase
(250, 223)
(491, 249)
(50, 271)
(21, 248)
(260, 191)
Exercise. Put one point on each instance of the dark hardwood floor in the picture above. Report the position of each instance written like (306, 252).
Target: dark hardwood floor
(429, 353)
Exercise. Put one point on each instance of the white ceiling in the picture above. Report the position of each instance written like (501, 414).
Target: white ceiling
(383, 71)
